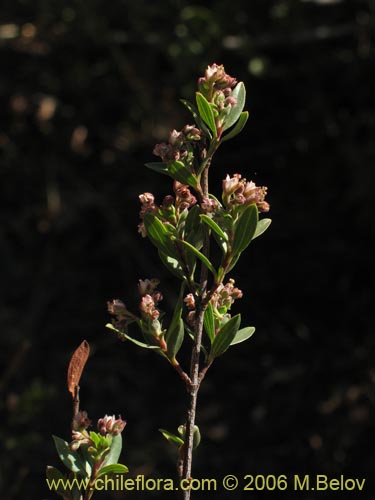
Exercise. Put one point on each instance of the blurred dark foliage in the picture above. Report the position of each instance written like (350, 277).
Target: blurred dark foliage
(87, 88)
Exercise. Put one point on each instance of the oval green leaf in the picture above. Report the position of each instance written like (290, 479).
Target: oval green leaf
(209, 322)
(206, 113)
(238, 127)
(244, 229)
(215, 227)
(200, 255)
(69, 458)
(172, 438)
(180, 172)
(113, 469)
(243, 334)
(134, 341)
(262, 226)
(239, 92)
(225, 337)
(159, 234)
(115, 451)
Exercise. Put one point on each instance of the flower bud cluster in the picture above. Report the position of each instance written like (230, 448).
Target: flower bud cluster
(79, 434)
(237, 191)
(179, 146)
(150, 298)
(121, 314)
(215, 78)
(216, 86)
(109, 425)
(184, 198)
(169, 211)
(221, 301)
(225, 295)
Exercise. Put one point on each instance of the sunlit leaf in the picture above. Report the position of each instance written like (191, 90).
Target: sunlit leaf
(225, 337)
(239, 92)
(126, 337)
(113, 469)
(200, 255)
(198, 120)
(172, 438)
(159, 234)
(115, 451)
(172, 264)
(209, 322)
(69, 458)
(245, 229)
(215, 227)
(238, 127)
(262, 226)
(206, 113)
(243, 334)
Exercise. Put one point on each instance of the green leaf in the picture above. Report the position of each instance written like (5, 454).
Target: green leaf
(239, 92)
(56, 480)
(180, 172)
(175, 169)
(200, 256)
(134, 341)
(113, 469)
(233, 262)
(225, 336)
(69, 458)
(175, 339)
(194, 228)
(115, 451)
(243, 334)
(215, 227)
(198, 120)
(175, 334)
(238, 127)
(244, 229)
(158, 166)
(209, 322)
(206, 113)
(172, 438)
(262, 226)
(172, 265)
(196, 437)
(159, 234)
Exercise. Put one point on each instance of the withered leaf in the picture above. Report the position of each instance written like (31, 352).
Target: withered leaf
(76, 366)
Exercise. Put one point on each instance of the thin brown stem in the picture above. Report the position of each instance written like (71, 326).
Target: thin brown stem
(76, 401)
(193, 387)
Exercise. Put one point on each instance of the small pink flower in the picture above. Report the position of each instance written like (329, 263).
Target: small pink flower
(109, 425)
(231, 184)
(146, 198)
(148, 308)
(190, 301)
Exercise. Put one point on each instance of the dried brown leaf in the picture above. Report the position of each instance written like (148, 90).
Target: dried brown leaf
(76, 366)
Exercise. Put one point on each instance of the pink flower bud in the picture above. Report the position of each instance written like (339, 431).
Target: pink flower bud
(109, 425)
(190, 301)
(81, 420)
(231, 184)
(146, 198)
(148, 308)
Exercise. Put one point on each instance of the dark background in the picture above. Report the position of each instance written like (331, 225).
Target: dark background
(87, 88)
